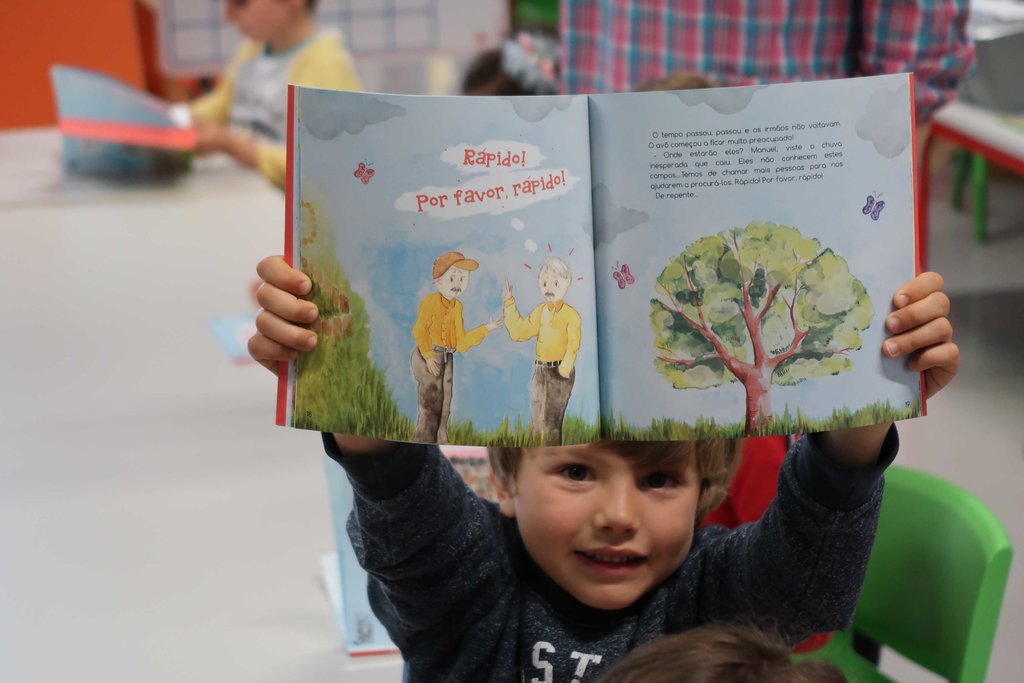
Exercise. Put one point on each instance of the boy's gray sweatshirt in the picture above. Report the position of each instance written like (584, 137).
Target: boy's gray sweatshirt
(453, 584)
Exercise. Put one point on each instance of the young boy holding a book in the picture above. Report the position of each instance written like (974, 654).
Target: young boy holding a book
(593, 550)
(246, 114)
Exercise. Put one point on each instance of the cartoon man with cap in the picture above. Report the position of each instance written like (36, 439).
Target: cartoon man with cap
(439, 334)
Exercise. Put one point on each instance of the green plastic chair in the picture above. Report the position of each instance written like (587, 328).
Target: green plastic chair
(934, 583)
(975, 165)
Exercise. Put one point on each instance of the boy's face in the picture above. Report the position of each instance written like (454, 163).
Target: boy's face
(261, 20)
(604, 528)
(453, 283)
(552, 285)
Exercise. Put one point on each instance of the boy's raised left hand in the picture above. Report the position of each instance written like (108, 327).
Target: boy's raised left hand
(922, 333)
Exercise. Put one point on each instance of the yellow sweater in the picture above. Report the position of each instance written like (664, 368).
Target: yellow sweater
(556, 326)
(322, 61)
(439, 323)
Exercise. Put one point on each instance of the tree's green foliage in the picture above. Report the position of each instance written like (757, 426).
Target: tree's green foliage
(805, 307)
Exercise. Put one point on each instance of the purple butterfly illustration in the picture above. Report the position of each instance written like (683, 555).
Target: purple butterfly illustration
(623, 276)
(873, 206)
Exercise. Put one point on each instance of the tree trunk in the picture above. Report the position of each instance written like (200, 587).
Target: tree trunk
(759, 399)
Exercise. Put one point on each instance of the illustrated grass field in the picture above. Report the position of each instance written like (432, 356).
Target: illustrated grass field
(786, 423)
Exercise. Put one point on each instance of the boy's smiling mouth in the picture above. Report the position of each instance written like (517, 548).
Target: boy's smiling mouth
(611, 561)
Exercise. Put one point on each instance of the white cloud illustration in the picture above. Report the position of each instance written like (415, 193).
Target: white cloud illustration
(534, 109)
(722, 100)
(335, 115)
(885, 122)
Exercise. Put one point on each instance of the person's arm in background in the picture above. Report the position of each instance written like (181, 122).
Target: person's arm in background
(926, 37)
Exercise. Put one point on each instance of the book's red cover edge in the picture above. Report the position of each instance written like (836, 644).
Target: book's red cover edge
(289, 256)
(917, 214)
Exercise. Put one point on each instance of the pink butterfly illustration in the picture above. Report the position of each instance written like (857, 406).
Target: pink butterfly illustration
(364, 173)
(623, 276)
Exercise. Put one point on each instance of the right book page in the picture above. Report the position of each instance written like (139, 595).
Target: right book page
(748, 242)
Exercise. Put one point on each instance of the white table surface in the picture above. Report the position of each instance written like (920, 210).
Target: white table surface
(31, 175)
(154, 524)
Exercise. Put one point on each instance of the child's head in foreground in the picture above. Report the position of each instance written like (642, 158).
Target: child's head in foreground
(719, 653)
(611, 520)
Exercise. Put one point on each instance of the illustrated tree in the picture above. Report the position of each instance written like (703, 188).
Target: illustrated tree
(759, 305)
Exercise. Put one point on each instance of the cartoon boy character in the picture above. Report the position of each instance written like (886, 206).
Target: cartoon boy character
(439, 334)
(556, 325)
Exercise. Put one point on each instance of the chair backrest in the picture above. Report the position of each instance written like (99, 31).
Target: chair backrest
(936, 577)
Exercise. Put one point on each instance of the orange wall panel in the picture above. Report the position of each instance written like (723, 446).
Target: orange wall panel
(35, 34)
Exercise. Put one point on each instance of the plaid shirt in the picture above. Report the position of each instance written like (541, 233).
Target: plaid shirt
(618, 45)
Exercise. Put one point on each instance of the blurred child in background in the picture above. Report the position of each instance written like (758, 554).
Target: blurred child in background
(526, 64)
(245, 115)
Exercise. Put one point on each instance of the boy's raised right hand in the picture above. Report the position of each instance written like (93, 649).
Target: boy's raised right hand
(282, 330)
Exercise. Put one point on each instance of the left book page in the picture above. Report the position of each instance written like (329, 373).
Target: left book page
(450, 246)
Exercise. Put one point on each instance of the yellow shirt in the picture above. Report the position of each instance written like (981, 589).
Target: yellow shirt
(556, 326)
(439, 323)
(322, 62)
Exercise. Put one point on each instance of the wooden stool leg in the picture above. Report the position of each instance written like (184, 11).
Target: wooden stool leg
(979, 175)
(963, 165)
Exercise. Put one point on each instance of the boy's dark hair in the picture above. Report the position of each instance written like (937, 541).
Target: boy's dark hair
(678, 80)
(311, 6)
(719, 653)
(715, 461)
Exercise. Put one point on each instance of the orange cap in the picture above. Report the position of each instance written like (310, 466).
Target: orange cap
(452, 258)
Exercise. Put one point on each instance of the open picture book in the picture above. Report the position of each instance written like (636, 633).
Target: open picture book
(554, 270)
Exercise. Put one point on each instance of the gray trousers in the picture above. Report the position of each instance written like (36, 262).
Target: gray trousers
(434, 396)
(549, 395)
